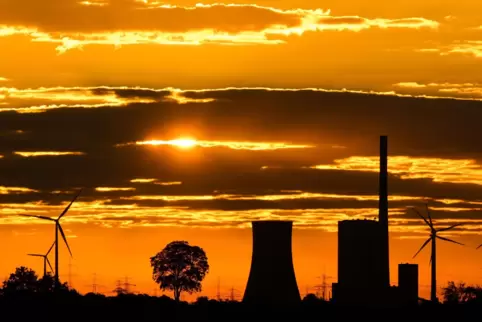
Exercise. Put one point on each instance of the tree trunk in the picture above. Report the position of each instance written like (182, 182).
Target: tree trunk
(177, 294)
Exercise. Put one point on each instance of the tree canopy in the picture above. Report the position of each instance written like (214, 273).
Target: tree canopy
(180, 267)
(25, 280)
(461, 293)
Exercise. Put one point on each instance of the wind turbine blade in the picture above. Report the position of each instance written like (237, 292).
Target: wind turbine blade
(36, 255)
(50, 249)
(424, 244)
(449, 240)
(35, 216)
(48, 262)
(65, 239)
(428, 214)
(70, 204)
(420, 215)
(479, 246)
(448, 228)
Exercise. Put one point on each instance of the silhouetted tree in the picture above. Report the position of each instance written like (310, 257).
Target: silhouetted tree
(461, 293)
(180, 267)
(23, 279)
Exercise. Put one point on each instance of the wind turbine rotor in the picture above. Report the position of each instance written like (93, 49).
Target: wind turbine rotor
(70, 204)
(423, 246)
(449, 240)
(64, 238)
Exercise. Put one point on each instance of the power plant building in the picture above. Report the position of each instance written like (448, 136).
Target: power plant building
(408, 284)
(363, 251)
(272, 280)
(360, 262)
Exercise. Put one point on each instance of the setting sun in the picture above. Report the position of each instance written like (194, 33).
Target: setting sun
(184, 143)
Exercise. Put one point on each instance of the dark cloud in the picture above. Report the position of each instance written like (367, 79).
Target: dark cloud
(443, 128)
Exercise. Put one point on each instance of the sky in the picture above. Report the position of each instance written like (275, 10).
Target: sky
(186, 121)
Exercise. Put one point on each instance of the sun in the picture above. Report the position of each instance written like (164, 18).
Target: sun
(184, 143)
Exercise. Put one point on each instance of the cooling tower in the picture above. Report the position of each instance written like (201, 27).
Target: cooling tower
(272, 280)
(383, 208)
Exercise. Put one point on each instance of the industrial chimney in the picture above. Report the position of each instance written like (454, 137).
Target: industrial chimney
(383, 208)
(272, 280)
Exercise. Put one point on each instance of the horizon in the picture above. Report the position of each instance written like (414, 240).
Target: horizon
(187, 121)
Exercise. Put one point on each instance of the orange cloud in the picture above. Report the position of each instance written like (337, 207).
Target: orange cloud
(128, 216)
(14, 190)
(113, 189)
(445, 89)
(141, 180)
(155, 181)
(145, 22)
(287, 196)
(470, 48)
(44, 99)
(46, 153)
(437, 169)
(254, 146)
(49, 98)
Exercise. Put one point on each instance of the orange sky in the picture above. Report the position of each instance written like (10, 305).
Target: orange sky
(279, 105)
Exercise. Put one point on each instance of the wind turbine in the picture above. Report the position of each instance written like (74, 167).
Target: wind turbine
(58, 228)
(479, 246)
(433, 237)
(46, 259)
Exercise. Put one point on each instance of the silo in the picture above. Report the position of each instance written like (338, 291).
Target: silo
(272, 280)
(360, 262)
(408, 284)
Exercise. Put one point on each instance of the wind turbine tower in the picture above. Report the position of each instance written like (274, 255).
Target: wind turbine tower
(433, 260)
(45, 258)
(58, 228)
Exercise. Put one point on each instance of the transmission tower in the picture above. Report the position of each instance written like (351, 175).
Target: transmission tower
(324, 286)
(218, 292)
(233, 294)
(127, 285)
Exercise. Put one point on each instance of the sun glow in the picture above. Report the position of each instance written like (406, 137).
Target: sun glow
(184, 143)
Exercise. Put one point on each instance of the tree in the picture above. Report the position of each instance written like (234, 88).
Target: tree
(23, 279)
(180, 267)
(461, 293)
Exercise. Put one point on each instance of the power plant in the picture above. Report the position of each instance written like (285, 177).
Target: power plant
(363, 251)
(408, 284)
(360, 262)
(272, 278)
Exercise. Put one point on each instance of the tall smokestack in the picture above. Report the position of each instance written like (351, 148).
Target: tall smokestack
(272, 280)
(383, 207)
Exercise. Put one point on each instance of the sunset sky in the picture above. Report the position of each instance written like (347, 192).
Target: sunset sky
(186, 121)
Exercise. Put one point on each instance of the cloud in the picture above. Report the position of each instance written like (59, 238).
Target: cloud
(453, 89)
(111, 189)
(44, 99)
(45, 154)
(191, 143)
(469, 48)
(14, 190)
(224, 187)
(439, 170)
(120, 22)
(3, 79)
